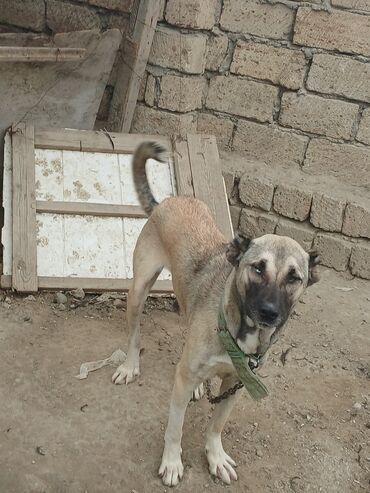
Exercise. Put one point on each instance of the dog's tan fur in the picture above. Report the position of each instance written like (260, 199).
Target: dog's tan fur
(182, 236)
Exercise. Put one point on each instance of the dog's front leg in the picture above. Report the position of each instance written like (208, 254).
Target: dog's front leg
(220, 464)
(171, 469)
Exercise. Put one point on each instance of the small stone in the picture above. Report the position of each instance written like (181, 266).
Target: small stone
(30, 298)
(259, 453)
(8, 300)
(357, 406)
(27, 318)
(61, 307)
(119, 303)
(60, 298)
(78, 293)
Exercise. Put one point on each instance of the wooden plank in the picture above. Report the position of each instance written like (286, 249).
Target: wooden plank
(207, 179)
(90, 209)
(93, 141)
(184, 179)
(40, 54)
(24, 265)
(134, 57)
(89, 284)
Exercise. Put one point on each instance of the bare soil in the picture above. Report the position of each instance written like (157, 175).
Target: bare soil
(59, 434)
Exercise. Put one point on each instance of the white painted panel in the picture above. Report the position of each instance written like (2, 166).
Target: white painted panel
(50, 245)
(6, 234)
(91, 177)
(94, 247)
(48, 174)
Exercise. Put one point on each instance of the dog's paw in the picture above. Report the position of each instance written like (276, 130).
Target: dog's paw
(171, 471)
(198, 393)
(221, 465)
(125, 374)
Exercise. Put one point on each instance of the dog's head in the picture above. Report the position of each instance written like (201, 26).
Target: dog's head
(272, 272)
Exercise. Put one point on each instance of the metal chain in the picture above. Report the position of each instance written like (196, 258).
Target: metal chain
(218, 398)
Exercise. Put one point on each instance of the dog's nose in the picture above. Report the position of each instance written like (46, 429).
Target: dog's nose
(268, 313)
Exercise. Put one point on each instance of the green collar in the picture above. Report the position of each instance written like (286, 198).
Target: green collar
(243, 363)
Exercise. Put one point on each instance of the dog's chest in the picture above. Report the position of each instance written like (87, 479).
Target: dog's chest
(220, 365)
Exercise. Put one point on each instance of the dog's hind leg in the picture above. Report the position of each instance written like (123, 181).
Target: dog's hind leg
(220, 464)
(149, 261)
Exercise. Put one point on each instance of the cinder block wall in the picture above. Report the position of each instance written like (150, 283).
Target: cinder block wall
(55, 16)
(286, 83)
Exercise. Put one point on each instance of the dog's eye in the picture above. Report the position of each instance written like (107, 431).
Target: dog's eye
(259, 268)
(293, 279)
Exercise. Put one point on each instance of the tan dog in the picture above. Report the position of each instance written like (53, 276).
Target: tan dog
(260, 280)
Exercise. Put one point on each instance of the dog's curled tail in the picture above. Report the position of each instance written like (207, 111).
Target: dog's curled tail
(145, 151)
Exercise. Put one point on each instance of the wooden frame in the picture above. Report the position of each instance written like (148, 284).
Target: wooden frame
(197, 172)
(135, 53)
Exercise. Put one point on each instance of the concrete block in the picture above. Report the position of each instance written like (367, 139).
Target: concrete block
(181, 93)
(359, 262)
(152, 121)
(260, 19)
(357, 220)
(217, 47)
(290, 201)
(281, 66)
(269, 144)
(150, 90)
(335, 30)
(333, 249)
(302, 233)
(254, 224)
(347, 162)
(173, 49)
(29, 14)
(363, 134)
(327, 212)
(256, 191)
(235, 216)
(121, 5)
(66, 17)
(242, 97)
(196, 14)
(340, 76)
(363, 5)
(318, 115)
(221, 128)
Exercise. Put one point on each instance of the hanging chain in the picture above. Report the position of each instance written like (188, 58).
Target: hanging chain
(218, 398)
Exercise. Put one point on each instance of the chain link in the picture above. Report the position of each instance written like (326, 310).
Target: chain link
(218, 398)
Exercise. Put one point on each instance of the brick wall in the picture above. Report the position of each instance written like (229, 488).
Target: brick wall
(54, 16)
(285, 83)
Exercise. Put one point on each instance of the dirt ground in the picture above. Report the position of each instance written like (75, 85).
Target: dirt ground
(59, 434)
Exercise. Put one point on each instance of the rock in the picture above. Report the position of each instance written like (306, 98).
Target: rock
(61, 307)
(119, 303)
(2, 296)
(60, 298)
(357, 406)
(78, 293)
(259, 453)
(8, 300)
(27, 318)
(30, 298)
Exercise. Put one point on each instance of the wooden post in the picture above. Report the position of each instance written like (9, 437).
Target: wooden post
(24, 269)
(136, 49)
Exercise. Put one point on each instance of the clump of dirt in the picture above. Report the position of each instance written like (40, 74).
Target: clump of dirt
(60, 434)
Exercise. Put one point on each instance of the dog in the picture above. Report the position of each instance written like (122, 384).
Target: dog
(257, 280)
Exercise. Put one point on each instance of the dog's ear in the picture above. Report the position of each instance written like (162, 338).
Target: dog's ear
(236, 248)
(313, 270)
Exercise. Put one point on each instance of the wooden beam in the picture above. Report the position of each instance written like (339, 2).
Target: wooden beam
(184, 179)
(94, 141)
(90, 209)
(207, 179)
(40, 54)
(134, 57)
(24, 266)
(92, 284)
